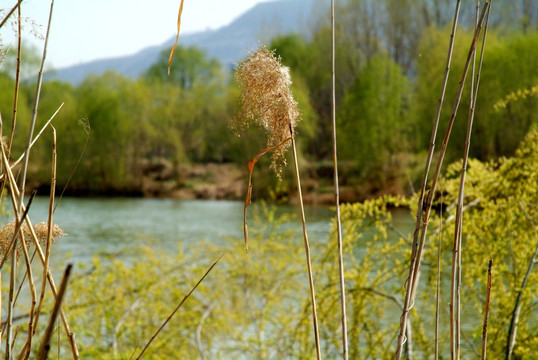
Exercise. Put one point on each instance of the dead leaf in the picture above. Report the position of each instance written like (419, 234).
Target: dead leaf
(248, 195)
(177, 37)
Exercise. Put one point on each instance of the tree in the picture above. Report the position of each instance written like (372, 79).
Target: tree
(190, 66)
(373, 116)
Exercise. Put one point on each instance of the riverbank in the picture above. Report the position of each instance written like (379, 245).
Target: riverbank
(228, 181)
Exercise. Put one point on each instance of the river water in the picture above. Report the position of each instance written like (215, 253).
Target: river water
(113, 226)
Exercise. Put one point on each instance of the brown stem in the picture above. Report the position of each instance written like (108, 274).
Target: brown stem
(419, 223)
(177, 308)
(512, 331)
(455, 315)
(307, 247)
(486, 312)
(45, 344)
(337, 191)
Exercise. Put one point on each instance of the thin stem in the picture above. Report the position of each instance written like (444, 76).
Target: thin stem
(455, 315)
(17, 162)
(37, 245)
(307, 247)
(419, 223)
(50, 227)
(337, 190)
(486, 312)
(512, 331)
(17, 82)
(45, 345)
(36, 106)
(438, 284)
(10, 13)
(177, 307)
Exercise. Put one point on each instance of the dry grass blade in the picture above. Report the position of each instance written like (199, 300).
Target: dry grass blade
(10, 13)
(486, 312)
(45, 344)
(17, 162)
(248, 195)
(177, 37)
(178, 306)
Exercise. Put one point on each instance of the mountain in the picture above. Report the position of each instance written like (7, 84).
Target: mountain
(227, 44)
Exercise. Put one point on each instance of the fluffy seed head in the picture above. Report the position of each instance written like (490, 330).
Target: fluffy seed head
(266, 100)
(41, 231)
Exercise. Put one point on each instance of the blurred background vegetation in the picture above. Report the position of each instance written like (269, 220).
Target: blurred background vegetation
(390, 61)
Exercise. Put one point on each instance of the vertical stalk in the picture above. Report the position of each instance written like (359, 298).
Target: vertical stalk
(50, 279)
(438, 285)
(337, 190)
(34, 112)
(512, 331)
(17, 82)
(9, 320)
(50, 227)
(416, 254)
(419, 223)
(306, 247)
(486, 312)
(455, 314)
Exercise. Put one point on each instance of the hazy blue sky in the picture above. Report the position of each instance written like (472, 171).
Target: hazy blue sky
(84, 30)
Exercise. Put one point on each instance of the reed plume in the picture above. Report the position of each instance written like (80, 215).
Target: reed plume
(266, 100)
(41, 230)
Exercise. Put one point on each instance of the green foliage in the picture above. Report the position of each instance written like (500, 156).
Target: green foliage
(257, 305)
(509, 65)
(372, 116)
(190, 66)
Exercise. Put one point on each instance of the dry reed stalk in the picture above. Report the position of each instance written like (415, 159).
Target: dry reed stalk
(419, 223)
(455, 316)
(33, 295)
(438, 281)
(416, 255)
(9, 324)
(6, 18)
(45, 343)
(307, 250)
(35, 240)
(17, 162)
(1, 332)
(50, 226)
(267, 101)
(486, 312)
(35, 109)
(12, 278)
(177, 308)
(514, 321)
(337, 190)
(17, 82)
